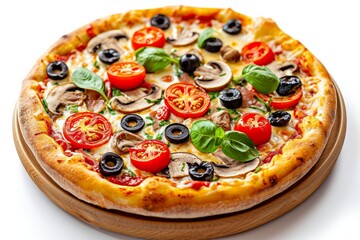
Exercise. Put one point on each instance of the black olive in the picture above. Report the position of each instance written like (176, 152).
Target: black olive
(160, 21)
(57, 70)
(177, 133)
(213, 45)
(132, 123)
(189, 62)
(109, 56)
(230, 98)
(279, 118)
(201, 172)
(110, 164)
(288, 85)
(232, 26)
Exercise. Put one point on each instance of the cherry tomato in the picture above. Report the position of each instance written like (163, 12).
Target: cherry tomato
(255, 126)
(150, 155)
(162, 113)
(148, 36)
(282, 102)
(257, 52)
(126, 75)
(87, 130)
(187, 100)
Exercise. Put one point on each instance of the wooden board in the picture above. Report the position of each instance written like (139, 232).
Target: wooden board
(202, 228)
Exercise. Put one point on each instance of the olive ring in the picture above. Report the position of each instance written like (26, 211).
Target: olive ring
(132, 123)
(57, 70)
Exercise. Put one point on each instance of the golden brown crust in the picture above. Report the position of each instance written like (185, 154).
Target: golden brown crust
(158, 196)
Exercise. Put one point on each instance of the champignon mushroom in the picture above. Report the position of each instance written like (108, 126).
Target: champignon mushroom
(136, 100)
(106, 40)
(286, 68)
(62, 95)
(123, 140)
(230, 54)
(183, 37)
(178, 166)
(231, 167)
(213, 76)
(222, 119)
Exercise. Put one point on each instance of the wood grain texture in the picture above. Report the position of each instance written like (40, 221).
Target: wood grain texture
(201, 228)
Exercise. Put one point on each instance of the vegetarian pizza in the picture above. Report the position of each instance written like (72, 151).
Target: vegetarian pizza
(177, 112)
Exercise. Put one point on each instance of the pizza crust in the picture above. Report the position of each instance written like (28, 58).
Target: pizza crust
(157, 196)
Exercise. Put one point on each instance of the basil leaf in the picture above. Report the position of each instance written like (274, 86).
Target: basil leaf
(205, 35)
(154, 59)
(261, 78)
(238, 146)
(206, 136)
(84, 78)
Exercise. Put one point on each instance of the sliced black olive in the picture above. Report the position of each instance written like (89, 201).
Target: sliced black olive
(279, 118)
(109, 56)
(57, 70)
(201, 172)
(232, 26)
(213, 45)
(132, 123)
(288, 85)
(189, 62)
(230, 98)
(110, 164)
(160, 21)
(177, 133)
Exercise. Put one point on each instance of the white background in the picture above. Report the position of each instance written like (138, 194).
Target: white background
(330, 29)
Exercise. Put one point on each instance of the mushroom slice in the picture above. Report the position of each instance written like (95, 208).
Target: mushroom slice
(106, 40)
(178, 166)
(231, 167)
(136, 100)
(222, 119)
(123, 140)
(213, 76)
(285, 68)
(183, 37)
(62, 95)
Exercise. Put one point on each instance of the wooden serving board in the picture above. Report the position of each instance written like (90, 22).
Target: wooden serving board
(204, 228)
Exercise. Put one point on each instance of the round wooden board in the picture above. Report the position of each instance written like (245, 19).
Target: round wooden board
(202, 228)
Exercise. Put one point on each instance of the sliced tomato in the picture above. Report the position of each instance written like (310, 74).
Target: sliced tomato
(279, 102)
(150, 155)
(162, 113)
(255, 126)
(87, 130)
(187, 100)
(126, 75)
(257, 52)
(148, 36)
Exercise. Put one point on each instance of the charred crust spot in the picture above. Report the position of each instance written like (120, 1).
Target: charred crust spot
(65, 36)
(60, 161)
(300, 159)
(153, 201)
(273, 180)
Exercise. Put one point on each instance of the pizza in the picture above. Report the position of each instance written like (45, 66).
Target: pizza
(177, 112)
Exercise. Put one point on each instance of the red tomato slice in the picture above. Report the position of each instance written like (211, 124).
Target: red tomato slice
(150, 155)
(257, 52)
(126, 75)
(187, 100)
(255, 126)
(281, 102)
(162, 113)
(148, 36)
(87, 130)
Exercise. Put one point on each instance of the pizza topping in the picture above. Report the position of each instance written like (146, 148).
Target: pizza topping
(160, 21)
(183, 37)
(111, 164)
(257, 52)
(162, 113)
(154, 59)
(203, 171)
(230, 98)
(122, 141)
(136, 100)
(64, 95)
(222, 119)
(177, 133)
(287, 68)
(109, 56)
(132, 123)
(57, 70)
(107, 40)
(213, 45)
(148, 36)
(189, 62)
(178, 166)
(126, 75)
(213, 76)
(288, 85)
(87, 130)
(230, 54)
(279, 118)
(232, 26)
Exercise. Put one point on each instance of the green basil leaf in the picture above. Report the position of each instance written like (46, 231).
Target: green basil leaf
(261, 78)
(205, 35)
(84, 78)
(238, 146)
(206, 136)
(154, 59)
